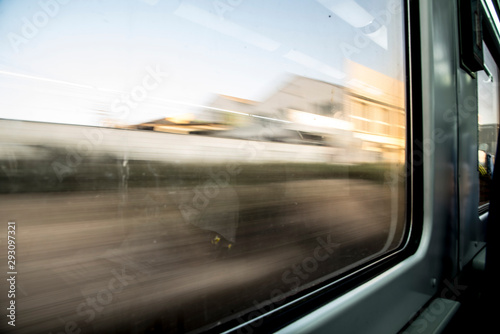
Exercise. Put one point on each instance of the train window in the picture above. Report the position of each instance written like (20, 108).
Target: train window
(488, 120)
(182, 164)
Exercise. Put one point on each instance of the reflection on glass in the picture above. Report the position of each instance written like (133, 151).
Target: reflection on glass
(177, 165)
(488, 118)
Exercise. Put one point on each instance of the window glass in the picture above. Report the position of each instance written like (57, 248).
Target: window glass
(179, 164)
(488, 118)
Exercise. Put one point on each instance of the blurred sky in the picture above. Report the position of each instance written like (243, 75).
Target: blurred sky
(71, 62)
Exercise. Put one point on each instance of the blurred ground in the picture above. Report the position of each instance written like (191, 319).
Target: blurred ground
(134, 258)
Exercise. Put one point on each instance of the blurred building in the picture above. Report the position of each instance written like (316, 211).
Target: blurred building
(366, 118)
(375, 104)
